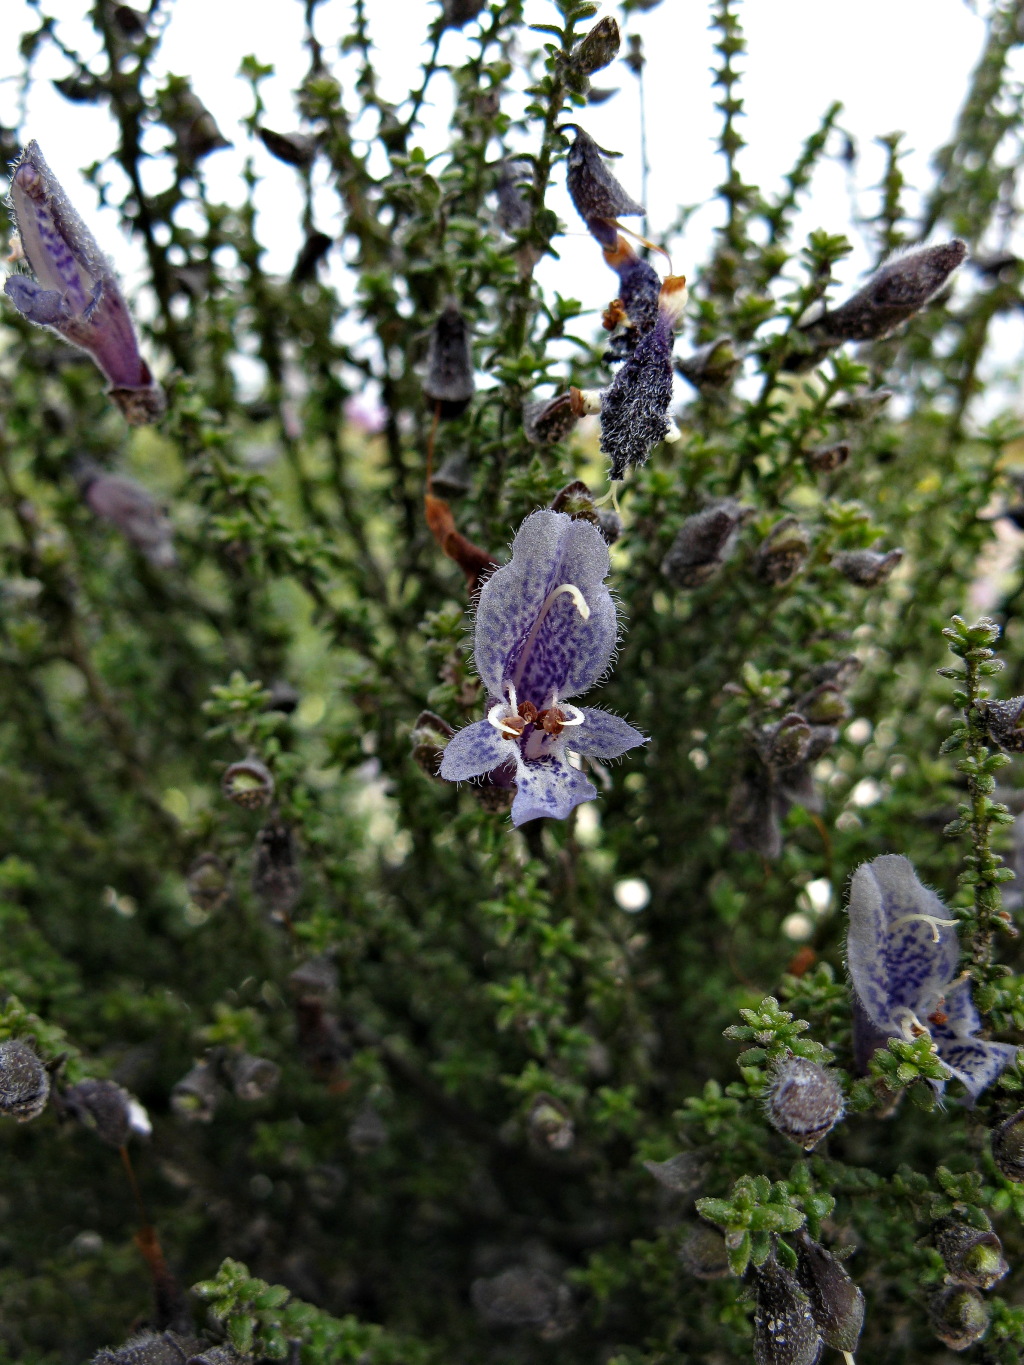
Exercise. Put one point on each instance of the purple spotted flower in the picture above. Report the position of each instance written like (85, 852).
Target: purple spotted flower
(75, 290)
(902, 951)
(545, 631)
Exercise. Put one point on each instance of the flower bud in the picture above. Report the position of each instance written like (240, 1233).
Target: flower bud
(703, 544)
(972, 1256)
(703, 1253)
(428, 738)
(453, 479)
(218, 1355)
(459, 12)
(104, 1107)
(959, 1317)
(782, 553)
(550, 1123)
(866, 568)
(311, 253)
(785, 1332)
(276, 878)
(803, 1101)
(836, 1303)
(712, 366)
(598, 48)
(131, 509)
(547, 422)
(367, 1132)
(1008, 1147)
(283, 697)
(1004, 721)
(192, 124)
(860, 405)
(827, 459)
(148, 1348)
(208, 882)
(598, 197)
(316, 979)
(576, 501)
(609, 523)
(893, 294)
(449, 380)
(787, 743)
(824, 704)
(195, 1097)
(253, 1078)
(249, 784)
(24, 1081)
(680, 1174)
(518, 1297)
(295, 149)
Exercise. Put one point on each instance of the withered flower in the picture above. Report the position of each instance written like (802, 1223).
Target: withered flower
(598, 197)
(449, 381)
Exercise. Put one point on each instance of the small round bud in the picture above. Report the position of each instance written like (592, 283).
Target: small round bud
(972, 1256)
(703, 544)
(680, 1174)
(104, 1107)
(866, 568)
(782, 553)
(195, 1097)
(544, 423)
(598, 48)
(1008, 1147)
(208, 882)
(253, 1078)
(836, 1303)
(1004, 721)
(703, 1253)
(249, 784)
(959, 1317)
(550, 1123)
(803, 1101)
(827, 459)
(787, 743)
(24, 1081)
(295, 149)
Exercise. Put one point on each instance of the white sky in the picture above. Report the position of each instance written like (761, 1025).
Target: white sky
(895, 65)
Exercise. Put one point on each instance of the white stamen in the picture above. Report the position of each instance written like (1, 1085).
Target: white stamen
(501, 712)
(582, 607)
(574, 716)
(933, 920)
(849, 1358)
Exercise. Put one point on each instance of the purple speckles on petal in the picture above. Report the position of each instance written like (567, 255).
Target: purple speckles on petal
(902, 951)
(548, 786)
(474, 751)
(603, 735)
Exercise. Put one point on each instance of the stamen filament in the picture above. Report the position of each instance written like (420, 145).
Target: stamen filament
(933, 920)
(582, 607)
(574, 715)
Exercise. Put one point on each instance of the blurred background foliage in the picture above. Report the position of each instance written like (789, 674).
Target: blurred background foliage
(482, 1035)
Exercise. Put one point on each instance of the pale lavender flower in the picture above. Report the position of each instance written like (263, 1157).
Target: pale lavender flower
(902, 952)
(134, 512)
(75, 291)
(545, 631)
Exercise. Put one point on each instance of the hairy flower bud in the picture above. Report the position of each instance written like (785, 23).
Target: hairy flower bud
(104, 1107)
(295, 149)
(428, 738)
(249, 783)
(208, 882)
(836, 1303)
(959, 1317)
(782, 553)
(515, 175)
(550, 1123)
(545, 423)
(74, 290)
(703, 544)
(276, 878)
(128, 506)
(195, 1097)
(598, 197)
(1008, 1147)
(457, 13)
(634, 408)
(972, 1256)
(786, 744)
(866, 568)
(712, 366)
(827, 459)
(803, 1101)
(903, 286)
(598, 48)
(253, 1078)
(703, 1253)
(523, 1297)
(785, 1332)
(149, 1348)
(1004, 721)
(449, 380)
(24, 1081)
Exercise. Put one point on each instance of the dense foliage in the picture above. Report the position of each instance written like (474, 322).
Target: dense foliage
(424, 1086)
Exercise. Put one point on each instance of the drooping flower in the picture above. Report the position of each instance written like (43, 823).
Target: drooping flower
(598, 197)
(449, 378)
(902, 951)
(130, 508)
(75, 291)
(545, 631)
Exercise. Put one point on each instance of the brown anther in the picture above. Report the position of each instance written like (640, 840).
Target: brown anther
(551, 721)
(938, 1018)
(613, 315)
(528, 711)
(512, 726)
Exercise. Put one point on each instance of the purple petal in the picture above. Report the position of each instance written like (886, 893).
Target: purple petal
(974, 1061)
(538, 645)
(548, 786)
(962, 1019)
(898, 962)
(45, 307)
(474, 751)
(602, 735)
(57, 245)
